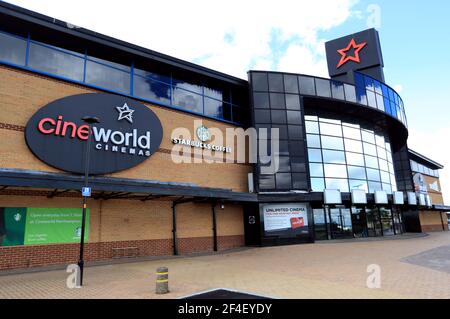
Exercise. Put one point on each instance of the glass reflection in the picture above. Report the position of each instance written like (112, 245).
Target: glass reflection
(56, 62)
(148, 88)
(187, 100)
(363, 165)
(333, 157)
(104, 76)
(337, 171)
(12, 49)
(333, 143)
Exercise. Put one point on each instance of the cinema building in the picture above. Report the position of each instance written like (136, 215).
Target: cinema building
(343, 168)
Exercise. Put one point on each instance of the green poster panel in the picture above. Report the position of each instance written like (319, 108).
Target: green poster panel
(54, 226)
(12, 226)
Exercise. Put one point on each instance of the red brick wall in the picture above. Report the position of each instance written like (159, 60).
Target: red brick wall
(44, 255)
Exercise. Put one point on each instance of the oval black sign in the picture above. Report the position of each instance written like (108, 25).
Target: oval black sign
(128, 133)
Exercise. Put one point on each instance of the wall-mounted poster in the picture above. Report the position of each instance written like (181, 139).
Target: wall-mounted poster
(41, 226)
(286, 219)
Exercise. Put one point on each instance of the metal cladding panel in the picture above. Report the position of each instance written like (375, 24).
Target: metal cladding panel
(276, 105)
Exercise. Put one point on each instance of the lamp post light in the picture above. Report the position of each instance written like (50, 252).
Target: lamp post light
(89, 120)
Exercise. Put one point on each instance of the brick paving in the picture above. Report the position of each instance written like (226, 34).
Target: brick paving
(411, 268)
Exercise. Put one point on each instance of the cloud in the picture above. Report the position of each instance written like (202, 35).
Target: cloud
(229, 36)
(398, 88)
(433, 144)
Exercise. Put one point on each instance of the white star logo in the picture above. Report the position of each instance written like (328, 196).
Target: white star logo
(125, 113)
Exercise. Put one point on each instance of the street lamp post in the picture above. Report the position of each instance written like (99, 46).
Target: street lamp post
(89, 120)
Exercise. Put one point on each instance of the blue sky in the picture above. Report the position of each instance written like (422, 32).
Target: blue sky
(234, 36)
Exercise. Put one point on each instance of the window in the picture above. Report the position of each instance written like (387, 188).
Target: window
(312, 127)
(307, 86)
(368, 136)
(337, 90)
(356, 172)
(107, 77)
(295, 132)
(350, 93)
(348, 163)
(313, 140)
(330, 129)
(292, 102)
(358, 184)
(223, 102)
(261, 100)
(315, 155)
(316, 170)
(333, 157)
(317, 184)
(290, 84)
(149, 89)
(373, 175)
(12, 49)
(259, 82)
(277, 101)
(340, 184)
(370, 149)
(276, 82)
(355, 159)
(213, 108)
(56, 62)
(352, 133)
(337, 171)
(187, 100)
(294, 117)
(323, 87)
(333, 143)
(353, 146)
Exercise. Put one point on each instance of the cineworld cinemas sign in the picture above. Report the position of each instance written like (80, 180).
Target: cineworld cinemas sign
(128, 133)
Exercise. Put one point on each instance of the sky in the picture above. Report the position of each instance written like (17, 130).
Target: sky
(235, 36)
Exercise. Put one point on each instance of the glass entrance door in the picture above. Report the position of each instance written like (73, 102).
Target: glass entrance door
(320, 224)
(398, 222)
(387, 222)
(340, 223)
(359, 223)
(373, 222)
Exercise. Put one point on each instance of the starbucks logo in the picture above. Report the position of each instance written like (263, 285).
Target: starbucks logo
(203, 133)
(17, 217)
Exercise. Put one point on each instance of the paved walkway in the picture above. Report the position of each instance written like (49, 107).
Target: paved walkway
(411, 268)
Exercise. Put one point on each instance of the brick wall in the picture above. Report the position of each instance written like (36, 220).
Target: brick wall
(432, 222)
(44, 255)
(23, 93)
(124, 224)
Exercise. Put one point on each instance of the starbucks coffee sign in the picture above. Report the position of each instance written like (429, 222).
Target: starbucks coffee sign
(128, 133)
(204, 136)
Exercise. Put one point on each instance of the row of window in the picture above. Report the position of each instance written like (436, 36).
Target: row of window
(375, 94)
(419, 168)
(345, 156)
(280, 91)
(86, 69)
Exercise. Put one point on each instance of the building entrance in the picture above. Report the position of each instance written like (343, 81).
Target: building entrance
(340, 222)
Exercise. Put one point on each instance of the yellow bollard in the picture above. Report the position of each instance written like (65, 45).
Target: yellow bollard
(162, 280)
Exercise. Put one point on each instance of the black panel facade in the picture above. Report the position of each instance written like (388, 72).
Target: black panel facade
(278, 104)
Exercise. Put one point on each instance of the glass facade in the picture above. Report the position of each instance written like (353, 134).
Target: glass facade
(378, 95)
(222, 103)
(419, 168)
(366, 91)
(345, 156)
(339, 222)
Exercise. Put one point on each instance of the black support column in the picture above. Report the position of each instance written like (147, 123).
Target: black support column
(174, 228)
(214, 224)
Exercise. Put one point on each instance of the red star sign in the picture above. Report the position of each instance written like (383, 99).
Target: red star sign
(343, 52)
